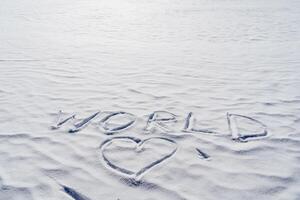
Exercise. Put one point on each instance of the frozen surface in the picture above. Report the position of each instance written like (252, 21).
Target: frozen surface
(139, 56)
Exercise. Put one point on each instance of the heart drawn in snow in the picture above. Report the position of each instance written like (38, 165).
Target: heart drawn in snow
(138, 146)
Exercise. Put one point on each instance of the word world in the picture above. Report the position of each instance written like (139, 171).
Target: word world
(156, 119)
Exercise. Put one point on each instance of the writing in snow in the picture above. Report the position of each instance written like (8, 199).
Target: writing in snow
(158, 119)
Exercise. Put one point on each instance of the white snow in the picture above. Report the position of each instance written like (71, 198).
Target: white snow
(141, 56)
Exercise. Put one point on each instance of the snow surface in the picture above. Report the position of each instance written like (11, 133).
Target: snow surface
(208, 57)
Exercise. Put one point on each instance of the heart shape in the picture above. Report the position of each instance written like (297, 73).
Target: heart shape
(139, 144)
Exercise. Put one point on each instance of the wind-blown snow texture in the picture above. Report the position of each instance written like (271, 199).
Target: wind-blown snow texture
(139, 56)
